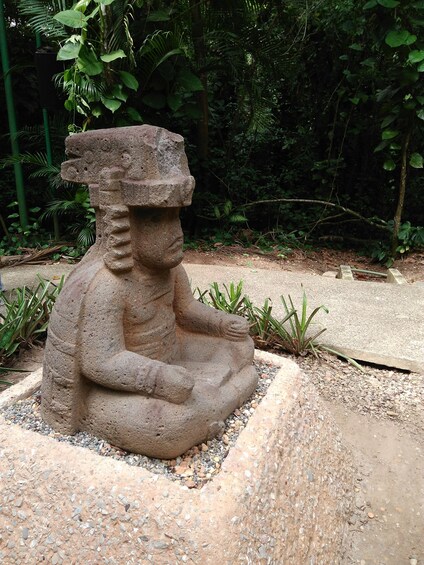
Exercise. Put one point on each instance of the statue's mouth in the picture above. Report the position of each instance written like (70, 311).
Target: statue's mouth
(177, 243)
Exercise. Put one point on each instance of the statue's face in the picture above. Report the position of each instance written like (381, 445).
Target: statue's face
(156, 237)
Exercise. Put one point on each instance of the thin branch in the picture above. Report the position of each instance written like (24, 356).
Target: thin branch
(372, 222)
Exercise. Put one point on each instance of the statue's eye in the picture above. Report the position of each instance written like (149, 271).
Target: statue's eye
(126, 160)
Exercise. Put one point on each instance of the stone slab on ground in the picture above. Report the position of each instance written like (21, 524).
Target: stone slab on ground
(370, 321)
(26, 275)
(283, 495)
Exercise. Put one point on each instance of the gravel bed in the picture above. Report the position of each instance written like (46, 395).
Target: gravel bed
(379, 392)
(194, 468)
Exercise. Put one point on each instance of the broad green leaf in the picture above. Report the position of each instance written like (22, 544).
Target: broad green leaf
(368, 63)
(134, 115)
(344, 58)
(96, 111)
(420, 67)
(174, 101)
(416, 161)
(394, 146)
(109, 57)
(156, 101)
(189, 81)
(370, 4)
(389, 165)
(69, 105)
(356, 47)
(68, 51)
(420, 114)
(158, 16)
(420, 99)
(398, 38)
(129, 80)
(111, 105)
(389, 134)
(118, 93)
(416, 56)
(71, 18)
(388, 3)
(81, 5)
(88, 62)
(387, 121)
(355, 101)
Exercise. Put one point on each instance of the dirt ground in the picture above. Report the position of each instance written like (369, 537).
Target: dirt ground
(379, 411)
(317, 262)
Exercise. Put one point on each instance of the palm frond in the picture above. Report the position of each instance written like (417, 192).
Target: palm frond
(119, 35)
(86, 236)
(40, 16)
(38, 159)
(87, 87)
(156, 49)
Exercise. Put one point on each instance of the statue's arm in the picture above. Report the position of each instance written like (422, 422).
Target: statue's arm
(197, 317)
(106, 361)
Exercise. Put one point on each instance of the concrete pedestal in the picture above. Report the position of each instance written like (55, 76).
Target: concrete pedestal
(283, 495)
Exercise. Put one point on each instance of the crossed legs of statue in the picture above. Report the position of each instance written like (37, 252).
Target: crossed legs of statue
(224, 379)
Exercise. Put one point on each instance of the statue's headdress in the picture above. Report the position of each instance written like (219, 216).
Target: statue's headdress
(140, 166)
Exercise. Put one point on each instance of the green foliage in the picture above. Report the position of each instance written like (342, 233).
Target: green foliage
(81, 215)
(16, 238)
(25, 315)
(410, 238)
(242, 82)
(298, 339)
(292, 334)
(231, 300)
(94, 42)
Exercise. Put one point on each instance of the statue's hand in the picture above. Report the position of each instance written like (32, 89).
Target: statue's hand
(173, 384)
(234, 328)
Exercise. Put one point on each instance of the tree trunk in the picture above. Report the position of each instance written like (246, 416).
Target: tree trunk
(402, 191)
(202, 96)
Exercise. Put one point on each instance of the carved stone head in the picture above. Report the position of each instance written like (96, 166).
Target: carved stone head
(154, 166)
(127, 169)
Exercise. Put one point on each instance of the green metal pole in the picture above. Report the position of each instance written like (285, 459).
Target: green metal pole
(48, 144)
(20, 191)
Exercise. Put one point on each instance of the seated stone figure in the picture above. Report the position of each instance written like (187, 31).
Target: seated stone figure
(131, 356)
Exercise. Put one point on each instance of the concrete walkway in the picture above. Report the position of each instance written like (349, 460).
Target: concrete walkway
(374, 322)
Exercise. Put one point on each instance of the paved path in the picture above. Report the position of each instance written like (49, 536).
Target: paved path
(373, 322)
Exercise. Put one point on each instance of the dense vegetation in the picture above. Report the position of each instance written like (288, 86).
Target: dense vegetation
(303, 119)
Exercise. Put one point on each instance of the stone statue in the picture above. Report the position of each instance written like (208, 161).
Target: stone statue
(131, 356)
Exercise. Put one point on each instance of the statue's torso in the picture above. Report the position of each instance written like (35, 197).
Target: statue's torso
(149, 319)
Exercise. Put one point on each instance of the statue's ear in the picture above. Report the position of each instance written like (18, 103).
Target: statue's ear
(118, 257)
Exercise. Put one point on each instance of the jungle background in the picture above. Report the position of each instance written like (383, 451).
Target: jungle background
(303, 120)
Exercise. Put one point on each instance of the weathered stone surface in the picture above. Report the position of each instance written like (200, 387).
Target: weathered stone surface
(282, 496)
(131, 356)
(21, 390)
